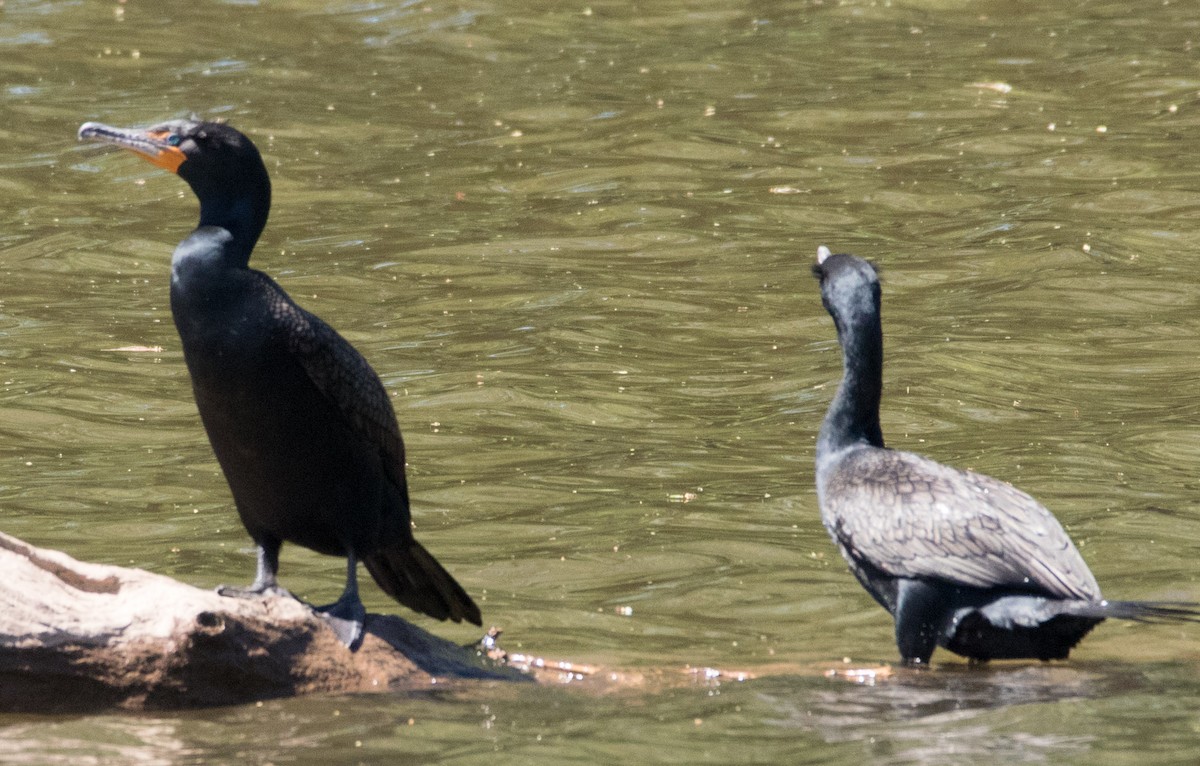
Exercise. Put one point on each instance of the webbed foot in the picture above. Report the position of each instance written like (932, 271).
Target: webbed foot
(253, 591)
(347, 619)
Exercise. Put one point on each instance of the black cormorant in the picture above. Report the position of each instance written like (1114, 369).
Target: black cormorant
(959, 559)
(301, 425)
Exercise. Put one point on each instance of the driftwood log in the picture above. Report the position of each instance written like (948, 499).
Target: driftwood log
(76, 636)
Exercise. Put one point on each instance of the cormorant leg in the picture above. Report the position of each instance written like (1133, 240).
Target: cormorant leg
(920, 612)
(347, 616)
(264, 577)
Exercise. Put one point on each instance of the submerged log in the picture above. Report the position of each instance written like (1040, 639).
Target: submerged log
(76, 636)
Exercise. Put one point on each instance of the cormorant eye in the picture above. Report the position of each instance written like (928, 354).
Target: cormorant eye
(174, 139)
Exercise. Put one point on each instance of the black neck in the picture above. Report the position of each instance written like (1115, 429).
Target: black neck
(241, 208)
(853, 416)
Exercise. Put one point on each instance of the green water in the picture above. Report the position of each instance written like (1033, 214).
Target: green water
(574, 240)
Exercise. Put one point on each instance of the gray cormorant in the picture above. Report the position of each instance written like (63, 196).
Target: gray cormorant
(301, 425)
(960, 560)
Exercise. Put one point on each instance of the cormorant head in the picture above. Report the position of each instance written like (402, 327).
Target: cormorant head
(849, 287)
(222, 166)
(212, 157)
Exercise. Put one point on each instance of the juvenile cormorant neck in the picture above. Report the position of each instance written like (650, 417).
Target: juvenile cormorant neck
(853, 416)
(851, 294)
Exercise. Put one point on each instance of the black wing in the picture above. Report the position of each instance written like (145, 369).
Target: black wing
(343, 376)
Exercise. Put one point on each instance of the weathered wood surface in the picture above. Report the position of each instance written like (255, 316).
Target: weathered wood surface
(76, 636)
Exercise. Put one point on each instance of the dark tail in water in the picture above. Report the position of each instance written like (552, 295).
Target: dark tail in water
(1153, 611)
(409, 574)
(1139, 611)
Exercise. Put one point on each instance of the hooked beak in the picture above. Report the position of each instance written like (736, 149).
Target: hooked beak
(150, 143)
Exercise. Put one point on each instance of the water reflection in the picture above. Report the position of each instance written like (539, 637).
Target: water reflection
(1010, 714)
(138, 742)
(959, 715)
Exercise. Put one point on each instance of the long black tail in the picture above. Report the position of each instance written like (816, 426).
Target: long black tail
(1139, 611)
(1154, 611)
(408, 573)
